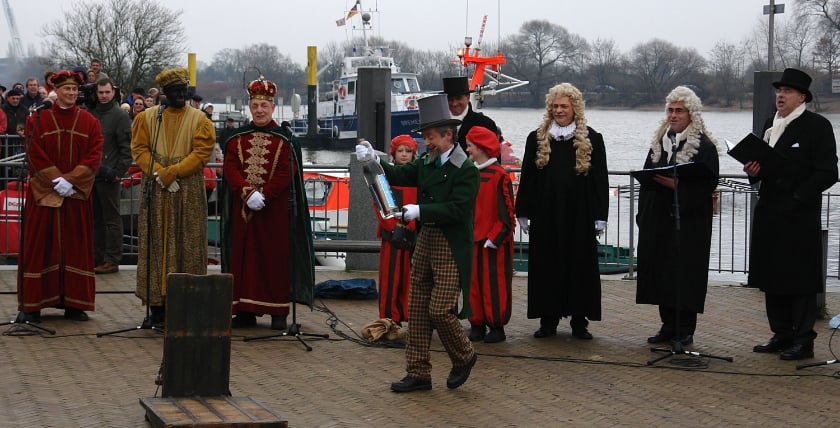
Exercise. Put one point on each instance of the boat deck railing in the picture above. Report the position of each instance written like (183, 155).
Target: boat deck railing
(733, 204)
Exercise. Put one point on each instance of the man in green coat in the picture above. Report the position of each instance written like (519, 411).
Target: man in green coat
(447, 185)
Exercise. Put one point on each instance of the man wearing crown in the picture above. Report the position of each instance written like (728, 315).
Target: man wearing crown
(171, 143)
(57, 256)
(270, 255)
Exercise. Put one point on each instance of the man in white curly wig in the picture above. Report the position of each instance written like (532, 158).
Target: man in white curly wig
(563, 198)
(670, 262)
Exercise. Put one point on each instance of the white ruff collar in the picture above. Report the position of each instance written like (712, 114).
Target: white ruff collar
(485, 164)
(562, 132)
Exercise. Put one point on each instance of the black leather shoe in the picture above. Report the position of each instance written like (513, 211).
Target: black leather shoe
(75, 314)
(582, 333)
(158, 315)
(774, 345)
(244, 319)
(34, 316)
(278, 322)
(459, 375)
(661, 337)
(497, 334)
(545, 332)
(409, 384)
(798, 351)
(477, 332)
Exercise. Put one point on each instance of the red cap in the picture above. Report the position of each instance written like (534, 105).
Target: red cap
(403, 140)
(486, 140)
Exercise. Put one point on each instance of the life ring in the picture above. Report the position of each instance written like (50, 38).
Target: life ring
(411, 102)
(342, 92)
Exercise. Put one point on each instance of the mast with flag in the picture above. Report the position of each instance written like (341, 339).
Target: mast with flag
(351, 13)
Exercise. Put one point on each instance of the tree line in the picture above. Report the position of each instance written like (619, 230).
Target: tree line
(542, 52)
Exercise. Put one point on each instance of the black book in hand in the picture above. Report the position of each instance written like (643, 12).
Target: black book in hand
(685, 171)
(753, 149)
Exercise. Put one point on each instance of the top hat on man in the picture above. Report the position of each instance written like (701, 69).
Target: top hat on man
(434, 113)
(455, 86)
(796, 79)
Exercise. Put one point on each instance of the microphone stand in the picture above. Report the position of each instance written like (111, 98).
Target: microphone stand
(676, 342)
(147, 323)
(23, 325)
(294, 327)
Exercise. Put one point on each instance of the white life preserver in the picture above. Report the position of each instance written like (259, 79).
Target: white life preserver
(342, 92)
(411, 102)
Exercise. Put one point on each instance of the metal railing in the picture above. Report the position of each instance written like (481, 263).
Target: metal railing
(733, 204)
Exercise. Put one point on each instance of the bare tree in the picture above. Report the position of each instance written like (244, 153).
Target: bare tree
(827, 10)
(827, 51)
(118, 33)
(537, 50)
(604, 62)
(794, 40)
(727, 67)
(659, 66)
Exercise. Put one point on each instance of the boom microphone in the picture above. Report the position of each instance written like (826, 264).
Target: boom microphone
(163, 104)
(45, 104)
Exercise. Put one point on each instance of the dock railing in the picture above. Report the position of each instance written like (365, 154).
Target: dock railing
(733, 205)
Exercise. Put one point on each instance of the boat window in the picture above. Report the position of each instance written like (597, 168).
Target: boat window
(397, 86)
(413, 86)
(351, 88)
(316, 191)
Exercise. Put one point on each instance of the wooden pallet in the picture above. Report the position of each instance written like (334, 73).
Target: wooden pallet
(221, 411)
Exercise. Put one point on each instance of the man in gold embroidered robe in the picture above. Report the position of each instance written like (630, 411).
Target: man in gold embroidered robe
(172, 143)
(271, 244)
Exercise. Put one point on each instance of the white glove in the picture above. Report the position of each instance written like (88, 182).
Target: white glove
(159, 181)
(523, 224)
(174, 186)
(364, 152)
(489, 244)
(63, 187)
(256, 201)
(411, 212)
(600, 225)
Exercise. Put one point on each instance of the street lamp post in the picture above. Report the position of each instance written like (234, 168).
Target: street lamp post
(771, 9)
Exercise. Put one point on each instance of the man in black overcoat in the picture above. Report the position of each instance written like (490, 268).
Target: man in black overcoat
(786, 251)
(457, 90)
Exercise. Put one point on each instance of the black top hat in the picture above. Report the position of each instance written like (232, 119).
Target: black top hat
(456, 86)
(796, 79)
(2, 89)
(434, 113)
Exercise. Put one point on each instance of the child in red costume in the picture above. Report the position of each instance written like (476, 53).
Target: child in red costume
(492, 273)
(395, 263)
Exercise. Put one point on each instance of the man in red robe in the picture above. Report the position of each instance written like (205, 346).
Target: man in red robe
(271, 256)
(57, 256)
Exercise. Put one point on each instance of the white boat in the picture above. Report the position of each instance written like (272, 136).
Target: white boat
(336, 107)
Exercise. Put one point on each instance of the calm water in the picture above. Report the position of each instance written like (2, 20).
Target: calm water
(627, 134)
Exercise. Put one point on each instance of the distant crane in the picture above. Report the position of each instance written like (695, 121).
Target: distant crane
(17, 44)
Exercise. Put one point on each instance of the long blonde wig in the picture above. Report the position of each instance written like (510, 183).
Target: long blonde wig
(582, 145)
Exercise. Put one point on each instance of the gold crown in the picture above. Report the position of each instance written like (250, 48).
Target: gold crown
(173, 76)
(262, 89)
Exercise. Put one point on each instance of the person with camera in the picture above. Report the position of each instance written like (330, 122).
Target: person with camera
(57, 255)
(116, 158)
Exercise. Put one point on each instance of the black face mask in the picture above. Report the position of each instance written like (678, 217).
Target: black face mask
(176, 95)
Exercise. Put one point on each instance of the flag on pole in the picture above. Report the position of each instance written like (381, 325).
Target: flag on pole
(340, 22)
(353, 11)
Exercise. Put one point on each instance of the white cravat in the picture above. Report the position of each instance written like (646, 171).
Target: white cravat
(562, 132)
(772, 134)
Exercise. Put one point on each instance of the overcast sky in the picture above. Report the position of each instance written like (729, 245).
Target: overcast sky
(292, 25)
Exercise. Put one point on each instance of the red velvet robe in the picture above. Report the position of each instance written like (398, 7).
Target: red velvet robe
(492, 273)
(395, 263)
(57, 257)
(260, 250)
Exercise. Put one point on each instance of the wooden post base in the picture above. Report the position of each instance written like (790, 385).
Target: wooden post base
(219, 411)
